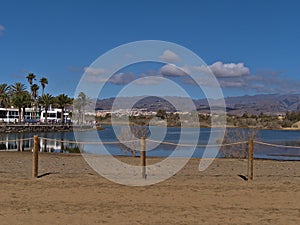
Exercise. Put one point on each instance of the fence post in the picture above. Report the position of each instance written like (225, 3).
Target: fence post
(143, 157)
(35, 156)
(250, 159)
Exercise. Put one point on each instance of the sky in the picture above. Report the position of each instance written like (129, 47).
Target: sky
(251, 47)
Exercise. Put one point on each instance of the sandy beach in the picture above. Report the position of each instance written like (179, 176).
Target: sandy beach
(70, 192)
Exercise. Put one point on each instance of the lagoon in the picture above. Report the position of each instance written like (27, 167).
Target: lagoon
(9, 142)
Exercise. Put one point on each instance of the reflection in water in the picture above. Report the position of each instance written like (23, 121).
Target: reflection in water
(15, 142)
(19, 142)
(24, 142)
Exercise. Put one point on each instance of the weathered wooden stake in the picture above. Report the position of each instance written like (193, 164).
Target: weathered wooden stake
(250, 159)
(35, 156)
(143, 157)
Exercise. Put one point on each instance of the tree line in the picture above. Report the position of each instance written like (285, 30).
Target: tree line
(16, 95)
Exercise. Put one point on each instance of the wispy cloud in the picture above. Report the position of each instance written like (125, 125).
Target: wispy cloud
(122, 78)
(149, 80)
(172, 70)
(75, 69)
(169, 56)
(230, 76)
(19, 74)
(2, 29)
(266, 81)
(239, 76)
(94, 71)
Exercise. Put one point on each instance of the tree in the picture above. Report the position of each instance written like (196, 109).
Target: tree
(80, 103)
(132, 136)
(27, 100)
(20, 101)
(46, 100)
(19, 96)
(34, 93)
(34, 90)
(237, 135)
(245, 115)
(4, 97)
(17, 88)
(30, 77)
(161, 113)
(62, 101)
(43, 82)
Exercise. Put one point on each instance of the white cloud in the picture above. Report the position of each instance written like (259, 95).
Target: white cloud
(94, 71)
(172, 70)
(2, 28)
(169, 56)
(221, 69)
(94, 76)
(229, 70)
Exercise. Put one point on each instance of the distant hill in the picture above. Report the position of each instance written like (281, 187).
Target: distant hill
(268, 104)
(272, 104)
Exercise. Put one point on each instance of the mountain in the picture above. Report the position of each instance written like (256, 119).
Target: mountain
(272, 104)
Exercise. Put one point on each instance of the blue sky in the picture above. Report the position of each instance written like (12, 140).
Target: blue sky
(252, 46)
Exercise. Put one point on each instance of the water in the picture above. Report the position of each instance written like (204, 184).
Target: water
(291, 138)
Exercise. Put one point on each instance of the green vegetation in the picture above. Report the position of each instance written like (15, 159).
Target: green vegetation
(4, 96)
(79, 104)
(261, 121)
(16, 95)
(62, 101)
(43, 82)
(46, 100)
(19, 96)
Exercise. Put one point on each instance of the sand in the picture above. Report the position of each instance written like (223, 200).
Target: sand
(70, 192)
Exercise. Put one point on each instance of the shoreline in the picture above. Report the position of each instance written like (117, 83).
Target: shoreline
(25, 128)
(227, 126)
(40, 128)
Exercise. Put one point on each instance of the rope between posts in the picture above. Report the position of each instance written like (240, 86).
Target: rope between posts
(131, 141)
(87, 142)
(276, 145)
(198, 145)
(154, 141)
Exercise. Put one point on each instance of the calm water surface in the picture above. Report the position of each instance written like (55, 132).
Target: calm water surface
(291, 138)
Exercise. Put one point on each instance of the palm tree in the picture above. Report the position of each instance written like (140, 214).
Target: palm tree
(43, 82)
(27, 100)
(19, 101)
(30, 77)
(81, 102)
(4, 97)
(46, 100)
(34, 92)
(17, 88)
(17, 92)
(62, 101)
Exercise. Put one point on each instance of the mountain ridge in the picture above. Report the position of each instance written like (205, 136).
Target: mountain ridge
(272, 104)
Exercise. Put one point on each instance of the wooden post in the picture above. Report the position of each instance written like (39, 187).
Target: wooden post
(250, 159)
(35, 156)
(143, 156)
